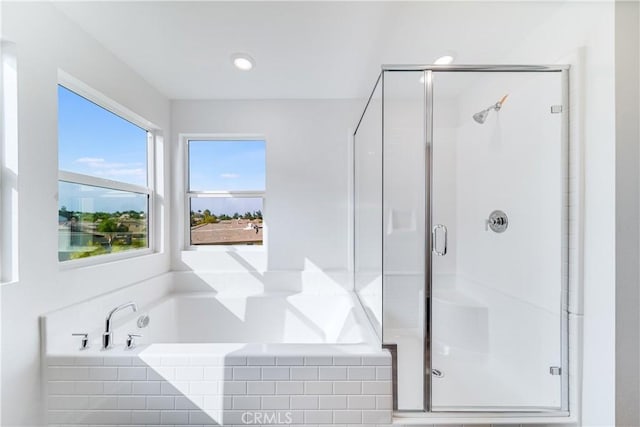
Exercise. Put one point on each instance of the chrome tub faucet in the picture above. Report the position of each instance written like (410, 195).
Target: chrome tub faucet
(107, 336)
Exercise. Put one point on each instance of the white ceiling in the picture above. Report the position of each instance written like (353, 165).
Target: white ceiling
(301, 49)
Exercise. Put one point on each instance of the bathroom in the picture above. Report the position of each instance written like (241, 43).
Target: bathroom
(308, 326)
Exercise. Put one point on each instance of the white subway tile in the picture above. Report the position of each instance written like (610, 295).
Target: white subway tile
(103, 402)
(246, 373)
(362, 373)
(384, 402)
(261, 360)
(383, 373)
(68, 373)
(88, 387)
(132, 402)
(174, 417)
(318, 360)
(246, 402)
(361, 402)
(290, 360)
(89, 361)
(347, 387)
(190, 373)
(100, 373)
(233, 387)
(279, 373)
(376, 417)
(61, 387)
(106, 417)
(161, 373)
(332, 402)
(318, 417)
(192, 403)
(174, 388)
(117, 387)
(304, 373)
(146, 387)
(160, 402)
(203, 418)
(347, 360)
(332, 373)
(217, 402)
(235, 360)
(318, 387)
(63, 418)
(304, 402)
(62, 361)
(261, 387)
(376, 387)
(117, 361)
(218, 373)
(141, 418)
(289, 387)
(347, 417)
(383, 360)
(275, 402)
(68, 402)
(203, 387)
(132, 373)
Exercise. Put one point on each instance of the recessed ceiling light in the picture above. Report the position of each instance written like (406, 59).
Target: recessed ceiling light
(444, 60)
(242, 61)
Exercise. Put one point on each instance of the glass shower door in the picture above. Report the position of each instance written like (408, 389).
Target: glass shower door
(498, 187)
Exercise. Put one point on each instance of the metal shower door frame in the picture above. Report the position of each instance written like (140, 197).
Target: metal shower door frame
(429, 71)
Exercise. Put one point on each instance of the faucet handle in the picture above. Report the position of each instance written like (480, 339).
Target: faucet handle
(131, 341)
(84, 343)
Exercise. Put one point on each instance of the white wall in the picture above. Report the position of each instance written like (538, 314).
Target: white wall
(47, 41)
(627, 210)
(307, 182)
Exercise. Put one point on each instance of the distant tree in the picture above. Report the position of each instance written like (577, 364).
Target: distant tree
(207, 212)
(247, 215)
(63, 212)
(110, 228)
(258, 214)
(236, 215)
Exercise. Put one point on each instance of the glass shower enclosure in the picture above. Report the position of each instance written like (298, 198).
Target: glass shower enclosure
(461, 235)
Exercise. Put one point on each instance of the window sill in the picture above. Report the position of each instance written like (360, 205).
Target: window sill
(103, 259)
(226, 248)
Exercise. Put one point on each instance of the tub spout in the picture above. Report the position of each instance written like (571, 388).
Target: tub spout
(107, 336)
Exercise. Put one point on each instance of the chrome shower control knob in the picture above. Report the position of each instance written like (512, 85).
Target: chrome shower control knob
(84, 342)
(497, 222)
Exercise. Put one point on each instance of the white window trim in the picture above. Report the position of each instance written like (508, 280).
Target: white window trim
(85, 91)
(188, 195)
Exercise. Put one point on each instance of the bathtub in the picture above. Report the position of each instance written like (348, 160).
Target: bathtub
(284, 318)
(207, 359)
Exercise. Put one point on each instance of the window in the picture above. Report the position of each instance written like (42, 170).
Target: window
(104, 191)
(225, 191)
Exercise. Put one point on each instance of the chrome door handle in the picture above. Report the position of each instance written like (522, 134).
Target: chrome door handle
(434, 239)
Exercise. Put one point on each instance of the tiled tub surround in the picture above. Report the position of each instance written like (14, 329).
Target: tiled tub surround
(226, 384)
(209, 359)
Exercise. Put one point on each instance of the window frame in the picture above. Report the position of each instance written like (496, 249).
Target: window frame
(188, 194)
(83, 90)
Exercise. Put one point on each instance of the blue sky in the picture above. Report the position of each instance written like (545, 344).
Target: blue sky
(93, 141)
(226, 165)
(96, 142)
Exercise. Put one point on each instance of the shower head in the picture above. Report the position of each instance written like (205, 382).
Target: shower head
(481, 116)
